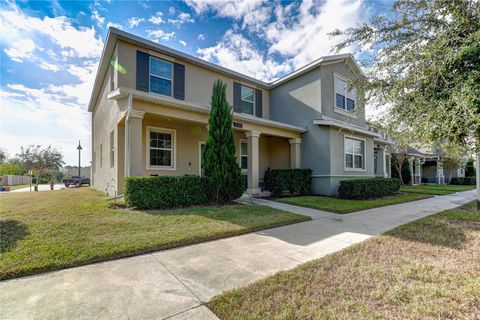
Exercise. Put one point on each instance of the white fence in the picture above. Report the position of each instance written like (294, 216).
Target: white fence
(11, 180)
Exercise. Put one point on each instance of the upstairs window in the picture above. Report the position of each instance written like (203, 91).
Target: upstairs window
(248, 100)
(161, 76)
(344, 99)
(354, 154)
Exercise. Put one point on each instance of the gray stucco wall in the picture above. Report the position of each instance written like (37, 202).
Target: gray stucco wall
(304, 99)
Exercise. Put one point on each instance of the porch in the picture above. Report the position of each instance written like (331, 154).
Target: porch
(156, 139)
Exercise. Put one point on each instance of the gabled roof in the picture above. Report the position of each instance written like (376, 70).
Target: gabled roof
(115, 34)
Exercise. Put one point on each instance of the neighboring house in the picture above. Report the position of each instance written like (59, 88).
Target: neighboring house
(150, 109)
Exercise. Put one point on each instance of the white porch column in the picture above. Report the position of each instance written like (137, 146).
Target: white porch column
(418, 172)
(412, 173)
(381, 162)
(440, 176)
(295, 152)
(253, 174)
(133, 144)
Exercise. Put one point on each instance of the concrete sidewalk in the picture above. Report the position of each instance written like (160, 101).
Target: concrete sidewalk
(41, 187)
(174, 284)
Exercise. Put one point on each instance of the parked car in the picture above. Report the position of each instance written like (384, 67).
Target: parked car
(76, 181)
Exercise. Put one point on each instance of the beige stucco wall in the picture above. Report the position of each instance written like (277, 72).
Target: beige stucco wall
(105, 120)
(198, 81)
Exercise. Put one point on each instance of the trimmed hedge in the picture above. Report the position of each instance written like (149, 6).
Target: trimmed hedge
(293, 181)
(368, 188)
(467, 181)
(164, 192)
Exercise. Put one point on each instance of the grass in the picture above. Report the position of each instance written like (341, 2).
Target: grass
(432, 189)
(427, 269)
(44, 231)
(338, 205)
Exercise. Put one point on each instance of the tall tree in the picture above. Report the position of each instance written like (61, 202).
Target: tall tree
(423, 62)
(221, 168)
(40, 160)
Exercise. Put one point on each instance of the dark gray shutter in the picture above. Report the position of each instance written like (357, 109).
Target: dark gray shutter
(258, 103)
(237, 97)
(143, 72)
(179, 81)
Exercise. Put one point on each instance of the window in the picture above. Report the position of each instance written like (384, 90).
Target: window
(160, 76)
(161, 143)
(112, 151)
(248, 100)
(243, 155)
(344, 99)
(354, 154)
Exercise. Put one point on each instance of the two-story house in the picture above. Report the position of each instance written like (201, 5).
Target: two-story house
(150, 109)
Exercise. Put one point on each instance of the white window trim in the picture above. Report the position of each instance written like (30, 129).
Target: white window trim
(150, 75)
(345, 168)
(240, 155)
(351, 114)
(254, 99)
(173, 132)
(200, 156)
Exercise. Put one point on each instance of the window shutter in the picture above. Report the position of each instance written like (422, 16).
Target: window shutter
(237, 97)
(258, 103)
(143, 71)
(179, 81)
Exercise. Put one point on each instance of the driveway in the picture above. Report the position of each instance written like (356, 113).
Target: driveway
(175, 284)
(41, 187)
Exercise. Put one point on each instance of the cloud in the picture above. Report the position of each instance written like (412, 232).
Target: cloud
(157, 18)
(135, 21)
(97, 17)
(238, 53)
(46, 112)
(171, 11)
(114, 25)
(182, 18)
(160, 34)
(20, 49)
(49, 66)
(183, 43)
(201, 37)
(82, 41)
(291, 35)
(226, 9)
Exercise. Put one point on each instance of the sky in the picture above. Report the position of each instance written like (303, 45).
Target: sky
(50, 52)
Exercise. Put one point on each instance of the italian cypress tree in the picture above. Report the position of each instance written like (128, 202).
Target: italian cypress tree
(221, 169)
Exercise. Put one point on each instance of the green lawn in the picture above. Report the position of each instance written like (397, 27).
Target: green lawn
(338, 205)
(427, 269)
(436, 189)
(52, 230)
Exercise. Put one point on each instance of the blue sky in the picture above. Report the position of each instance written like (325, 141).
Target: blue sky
(50, 51)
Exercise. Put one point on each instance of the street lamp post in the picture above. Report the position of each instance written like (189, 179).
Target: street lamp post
(79, 148)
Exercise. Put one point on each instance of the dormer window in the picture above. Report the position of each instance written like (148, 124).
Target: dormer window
(161, 76)
(344, 99)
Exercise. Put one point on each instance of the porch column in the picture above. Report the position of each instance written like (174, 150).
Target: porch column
(412, 173)
(133, 144)
(253, 175)
(295, 152)
(440, 176)
(381, 162)
(418, 171)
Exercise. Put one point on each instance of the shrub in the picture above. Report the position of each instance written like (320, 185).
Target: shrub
(293, 181)
(406, 173)
(221, 168)
(468, 181)
(165, 192)
(368, 188)
(470, 169)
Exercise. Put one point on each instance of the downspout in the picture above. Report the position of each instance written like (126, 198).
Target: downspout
(127, 136)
